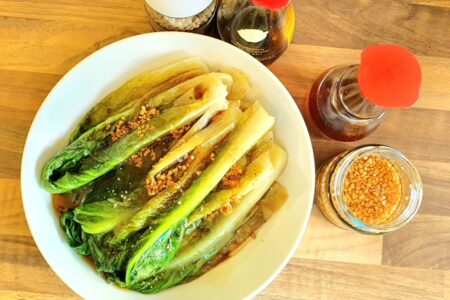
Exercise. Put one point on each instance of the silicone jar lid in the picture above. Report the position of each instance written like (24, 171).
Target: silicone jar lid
(389, 76)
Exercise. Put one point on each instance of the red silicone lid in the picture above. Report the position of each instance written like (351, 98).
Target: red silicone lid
(272, 4)
(389, 76)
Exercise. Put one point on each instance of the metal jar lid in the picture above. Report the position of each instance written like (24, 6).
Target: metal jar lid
(177, 8)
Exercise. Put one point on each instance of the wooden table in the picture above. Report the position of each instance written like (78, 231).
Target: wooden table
(40, 40)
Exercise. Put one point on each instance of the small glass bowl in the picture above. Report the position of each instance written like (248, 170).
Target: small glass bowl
(330, 190)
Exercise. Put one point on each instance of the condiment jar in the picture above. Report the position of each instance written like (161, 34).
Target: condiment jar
(372, 190)
(262, 28)
(186, 15)
(347, 103)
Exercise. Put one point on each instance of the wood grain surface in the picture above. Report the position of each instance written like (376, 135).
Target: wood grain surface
(40, 40)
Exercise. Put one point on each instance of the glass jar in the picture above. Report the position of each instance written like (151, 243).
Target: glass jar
(330, 190)
(262, 28)
(187, 15)
(338, 108)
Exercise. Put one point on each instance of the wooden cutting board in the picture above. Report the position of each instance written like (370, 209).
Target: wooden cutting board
(40, 40)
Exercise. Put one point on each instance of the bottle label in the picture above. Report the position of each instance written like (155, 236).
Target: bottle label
(250, 50)
(253, 35)
(251, 40)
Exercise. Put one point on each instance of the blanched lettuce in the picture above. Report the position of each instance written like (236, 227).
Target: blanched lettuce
(133, 89)
(188, 262)
(163, 197)
(70, 169)
(254, 123)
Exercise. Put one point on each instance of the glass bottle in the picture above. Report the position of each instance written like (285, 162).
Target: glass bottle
(330, 183)
(347, 103)
(338, 108)
(262, 28)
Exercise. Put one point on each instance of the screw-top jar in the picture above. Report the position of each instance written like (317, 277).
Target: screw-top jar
(372, 190)
(186, 15)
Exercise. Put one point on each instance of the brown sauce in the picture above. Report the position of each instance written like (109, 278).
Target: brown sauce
(338, 109)
(62, 203)
(264, 209)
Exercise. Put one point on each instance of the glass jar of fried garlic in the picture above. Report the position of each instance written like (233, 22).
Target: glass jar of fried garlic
(372, 190)
(185, 15)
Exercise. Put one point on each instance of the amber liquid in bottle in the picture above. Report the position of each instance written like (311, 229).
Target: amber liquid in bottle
(261, 32)
(337, 107)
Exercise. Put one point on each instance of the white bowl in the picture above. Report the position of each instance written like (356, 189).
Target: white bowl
(241, 276)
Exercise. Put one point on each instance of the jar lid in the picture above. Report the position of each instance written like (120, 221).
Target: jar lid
(389, 76)
(177, 8)
(272, 4)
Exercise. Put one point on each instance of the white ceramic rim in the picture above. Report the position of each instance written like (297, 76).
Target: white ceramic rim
(39, 241)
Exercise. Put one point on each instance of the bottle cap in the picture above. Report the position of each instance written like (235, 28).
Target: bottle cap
(177, 8)
(389, 76)
(272, 4)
